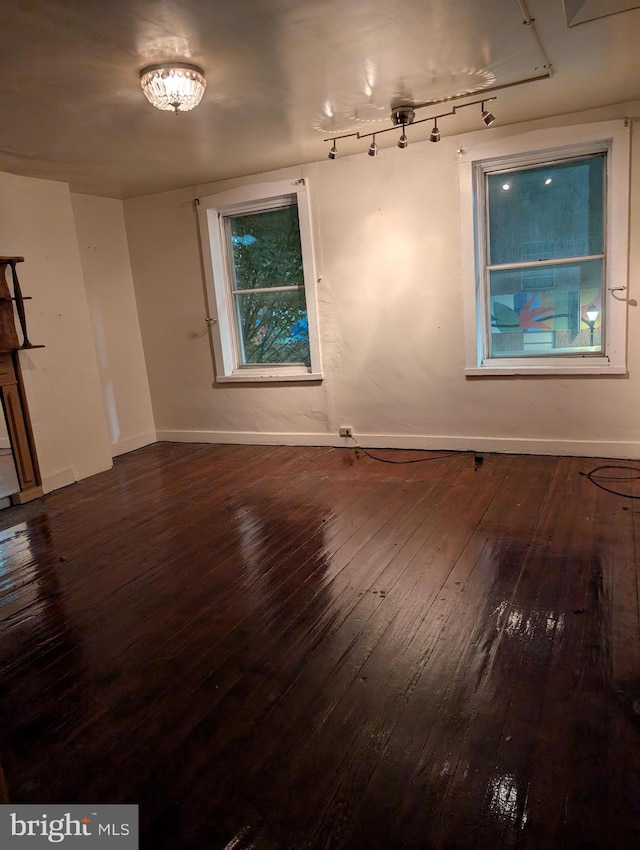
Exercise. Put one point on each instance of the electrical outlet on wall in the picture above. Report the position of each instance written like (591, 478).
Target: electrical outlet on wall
(345, 431)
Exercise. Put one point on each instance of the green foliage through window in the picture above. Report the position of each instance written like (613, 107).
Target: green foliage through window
(268, 286)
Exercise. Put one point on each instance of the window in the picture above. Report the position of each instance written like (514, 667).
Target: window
(258, 261)
(545, 245)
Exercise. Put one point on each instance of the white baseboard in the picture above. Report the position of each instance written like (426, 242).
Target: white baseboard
(250, 438)
(130, 444)
(5, 443)
(499, 445)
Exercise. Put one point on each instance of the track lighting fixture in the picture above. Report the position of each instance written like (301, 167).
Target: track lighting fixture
(487, 117)
(404, 115)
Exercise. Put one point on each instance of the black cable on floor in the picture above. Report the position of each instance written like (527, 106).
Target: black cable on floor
(389, 460)
(595, 478)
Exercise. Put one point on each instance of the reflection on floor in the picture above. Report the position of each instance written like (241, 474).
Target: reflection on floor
(8, 478)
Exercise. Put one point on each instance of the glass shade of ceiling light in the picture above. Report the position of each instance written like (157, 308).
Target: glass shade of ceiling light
(373, 148)
(333, 153)
(487, 116)
(173, 86)
(403, 141)
(434, 135)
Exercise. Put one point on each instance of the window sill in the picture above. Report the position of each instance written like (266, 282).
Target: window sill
(499, 370)
(271, 377)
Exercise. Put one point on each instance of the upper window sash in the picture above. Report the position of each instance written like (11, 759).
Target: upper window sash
(530, 150)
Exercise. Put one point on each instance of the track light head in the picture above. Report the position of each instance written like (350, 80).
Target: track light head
(403, 141)
(487, 116)
(333, 153)
(434, 135)
(373, 148)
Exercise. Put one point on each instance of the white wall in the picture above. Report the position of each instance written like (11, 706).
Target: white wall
(108, 282)
(387, 238)
(62, 380)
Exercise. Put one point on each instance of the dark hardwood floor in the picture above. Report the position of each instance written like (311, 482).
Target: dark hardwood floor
(283, 648)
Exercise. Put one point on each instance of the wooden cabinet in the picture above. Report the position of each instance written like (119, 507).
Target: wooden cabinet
(12, 394)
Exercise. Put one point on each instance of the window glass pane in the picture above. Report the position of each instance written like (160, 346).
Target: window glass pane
(553, 310)
(547, 212)
(273, 327)
(266, 249)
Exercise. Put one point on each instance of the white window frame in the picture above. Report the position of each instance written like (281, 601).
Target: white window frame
(222, 320)
(541, 146)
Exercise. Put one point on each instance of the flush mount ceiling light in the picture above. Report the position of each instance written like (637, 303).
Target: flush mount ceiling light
(174, 86)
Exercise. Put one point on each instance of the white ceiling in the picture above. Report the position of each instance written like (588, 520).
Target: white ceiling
(73, 108)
